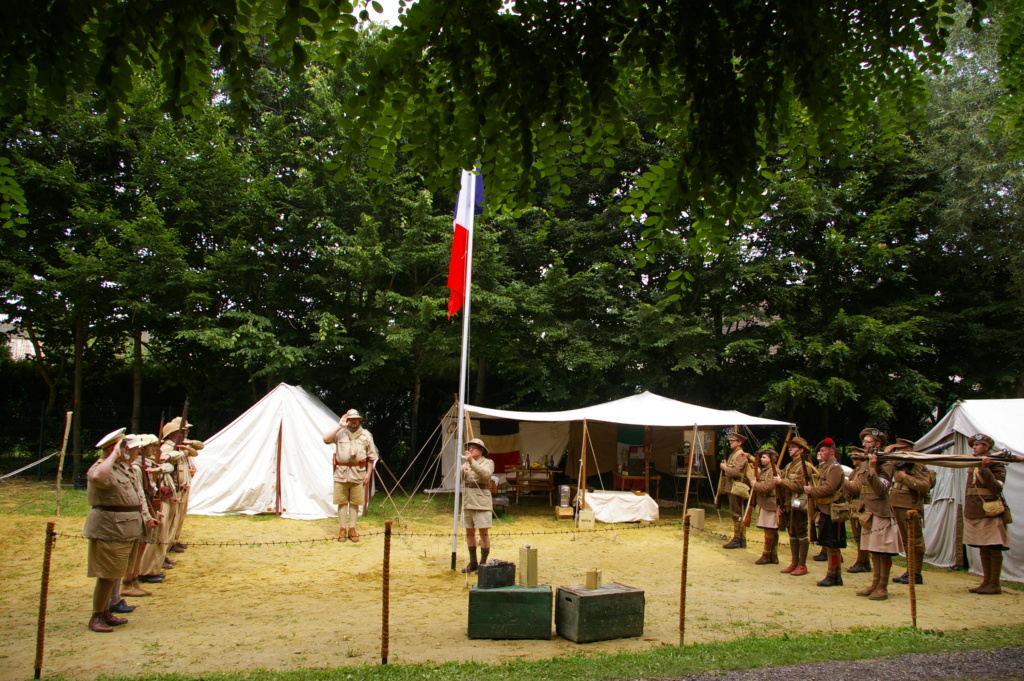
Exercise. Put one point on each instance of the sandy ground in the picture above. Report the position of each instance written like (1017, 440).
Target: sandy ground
(317, 604)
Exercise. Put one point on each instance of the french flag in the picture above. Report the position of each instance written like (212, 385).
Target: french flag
(469, 204)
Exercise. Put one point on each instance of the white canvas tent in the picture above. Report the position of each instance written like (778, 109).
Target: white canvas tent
(551, 433)
(271, 459)
(1003, 421)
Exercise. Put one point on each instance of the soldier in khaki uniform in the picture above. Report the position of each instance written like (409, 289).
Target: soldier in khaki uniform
(355, 455)
(851, 491)
(988, 533)
(737, 468)
(143, 467)
(827, 489)
(880, 535)
(791, 482)
(476, 501)
(161, 472)
(132, 447)
(112, 526)
(909, 487)
(767, 506)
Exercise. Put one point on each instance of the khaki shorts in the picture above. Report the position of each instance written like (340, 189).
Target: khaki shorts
(109, 559)
(349, 493)
(472, 520)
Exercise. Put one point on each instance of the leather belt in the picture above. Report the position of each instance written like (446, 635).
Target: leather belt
(477, 485)
(359, 464)
(120, 509)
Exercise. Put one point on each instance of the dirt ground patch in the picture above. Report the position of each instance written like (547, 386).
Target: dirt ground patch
(237, 601)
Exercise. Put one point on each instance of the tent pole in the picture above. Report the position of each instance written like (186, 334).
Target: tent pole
(582, 483)
(277, 495)
(689, 469)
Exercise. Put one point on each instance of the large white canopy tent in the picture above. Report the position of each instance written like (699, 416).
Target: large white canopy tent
(271, 459)
(594, 429)
(1003, 421)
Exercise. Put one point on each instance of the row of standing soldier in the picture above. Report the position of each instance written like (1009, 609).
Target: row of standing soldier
(876, 497)
(138, 492)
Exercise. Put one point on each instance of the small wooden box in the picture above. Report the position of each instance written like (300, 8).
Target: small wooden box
(510, 612)
(564, 512)
(612, 610)
(696, 518)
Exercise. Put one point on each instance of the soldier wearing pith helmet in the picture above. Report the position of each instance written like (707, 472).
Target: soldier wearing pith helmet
(477, 470)
(355, 455)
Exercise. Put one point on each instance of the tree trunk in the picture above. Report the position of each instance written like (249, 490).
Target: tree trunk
(78, 381)
(417, 386)
(481, 381)
(137, 382)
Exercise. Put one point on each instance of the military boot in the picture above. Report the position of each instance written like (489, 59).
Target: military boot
(995, 562)
(96, 623)
(876, 568)
(986, 570)
(473, 565)
(734, 543)
(801, 559)
(862, 564)
(881, 590)
(794, 555)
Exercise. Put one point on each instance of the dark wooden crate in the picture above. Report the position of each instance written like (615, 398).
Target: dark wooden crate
(610, 611)
(495, 575)
(510, 612)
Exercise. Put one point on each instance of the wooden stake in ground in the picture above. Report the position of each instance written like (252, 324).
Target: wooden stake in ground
(51, 537)
(682, 585)
(60, 461)
(385, 634)
(912, 565)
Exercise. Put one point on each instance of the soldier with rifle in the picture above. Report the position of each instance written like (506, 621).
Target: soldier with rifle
(796, 512)
(145, 470)
(738, 475)
(910, 488)
(826, 490)
(985, 514)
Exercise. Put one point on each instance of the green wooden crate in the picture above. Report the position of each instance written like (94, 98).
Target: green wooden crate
(510, 612)
(610, 611)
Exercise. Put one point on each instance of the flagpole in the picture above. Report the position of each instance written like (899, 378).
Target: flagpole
(468, 187)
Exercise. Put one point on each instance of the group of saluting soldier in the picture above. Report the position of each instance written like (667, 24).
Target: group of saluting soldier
(138, 490)
(876, 498)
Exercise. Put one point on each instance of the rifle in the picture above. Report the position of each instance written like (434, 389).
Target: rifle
(811, 529)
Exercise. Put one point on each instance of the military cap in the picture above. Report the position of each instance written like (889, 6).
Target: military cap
(827, 442)
(875, 433)
(801, 443)
(981, 437)
(111, 438)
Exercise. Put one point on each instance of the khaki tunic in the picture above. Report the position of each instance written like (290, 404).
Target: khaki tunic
(979, 529)
(829, 487)
(792, 486)
(353, 452)
(909, 491)
(739, 466)
(767, 503)
(111, 534)
(476, 495)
